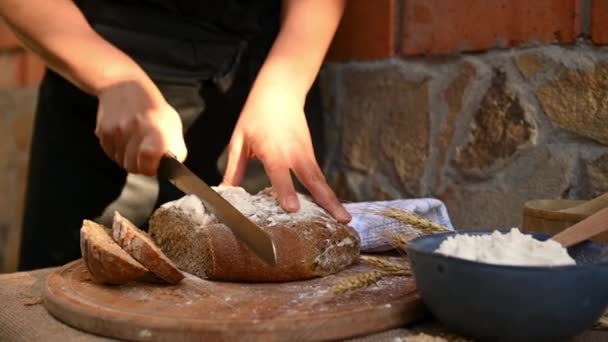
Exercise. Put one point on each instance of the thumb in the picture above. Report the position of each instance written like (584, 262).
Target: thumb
(237, 164)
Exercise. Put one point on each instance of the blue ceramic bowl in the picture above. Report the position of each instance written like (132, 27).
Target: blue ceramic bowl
(511, 303)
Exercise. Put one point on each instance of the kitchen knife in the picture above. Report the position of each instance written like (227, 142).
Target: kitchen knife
(246, 231)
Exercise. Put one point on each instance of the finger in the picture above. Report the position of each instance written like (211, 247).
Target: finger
(178, 147)
(237, 164)
(151, 149)
(131, 157)
(312, 178)
(281, 181)
(105, 141)
(117, 138)
(107, 148)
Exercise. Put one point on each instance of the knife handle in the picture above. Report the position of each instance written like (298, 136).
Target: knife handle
(164, 165)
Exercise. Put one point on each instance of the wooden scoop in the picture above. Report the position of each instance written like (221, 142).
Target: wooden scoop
(552, 216)
(584, 230)
(588, 207)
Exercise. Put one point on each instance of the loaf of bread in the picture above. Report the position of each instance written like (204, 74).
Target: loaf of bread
(136, 242)
(106, 261)
(309, 243)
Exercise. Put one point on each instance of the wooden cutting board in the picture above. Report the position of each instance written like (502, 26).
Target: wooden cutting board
(198, 310)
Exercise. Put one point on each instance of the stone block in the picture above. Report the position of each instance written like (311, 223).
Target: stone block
(351, 186)
(498, 202)
(454, 98)
(381, 189)
(500, 128)
(348, 186)
(529, 64)
(597, 174)
(577, 101)
(386, 124)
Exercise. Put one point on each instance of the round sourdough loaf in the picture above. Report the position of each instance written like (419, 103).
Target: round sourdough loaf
(309, 243)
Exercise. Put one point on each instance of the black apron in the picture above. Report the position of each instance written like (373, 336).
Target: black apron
(184, 38)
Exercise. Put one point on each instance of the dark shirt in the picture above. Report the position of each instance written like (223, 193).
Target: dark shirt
(200, 38)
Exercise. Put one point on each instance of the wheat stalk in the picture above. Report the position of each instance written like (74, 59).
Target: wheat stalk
(362, 280)
(416, 221)
(414, 226)
(358, 281)
(399, 240)
(385, 265)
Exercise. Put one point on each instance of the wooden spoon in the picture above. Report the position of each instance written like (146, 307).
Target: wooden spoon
(584, 230)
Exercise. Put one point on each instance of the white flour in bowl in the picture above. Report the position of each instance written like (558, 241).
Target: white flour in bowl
(513, 248)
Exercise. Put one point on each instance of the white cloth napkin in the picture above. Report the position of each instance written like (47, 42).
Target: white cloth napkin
(372, 227)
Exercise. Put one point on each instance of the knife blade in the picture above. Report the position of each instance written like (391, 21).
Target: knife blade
(244, 230)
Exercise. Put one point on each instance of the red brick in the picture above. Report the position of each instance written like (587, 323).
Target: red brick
(7, 38)
(445, 26)
(599, 21)
(367, 31)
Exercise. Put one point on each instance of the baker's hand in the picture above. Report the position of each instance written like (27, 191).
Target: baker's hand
(273, 129)
(136, 126)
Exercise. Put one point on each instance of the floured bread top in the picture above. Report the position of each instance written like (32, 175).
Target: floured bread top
(261, 208)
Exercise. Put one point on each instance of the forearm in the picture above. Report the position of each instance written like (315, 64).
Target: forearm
(57, 31)
(307, 29)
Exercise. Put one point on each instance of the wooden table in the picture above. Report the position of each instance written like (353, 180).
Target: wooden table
(24, 318)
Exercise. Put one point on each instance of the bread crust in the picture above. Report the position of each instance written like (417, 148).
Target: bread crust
(305, 249)
(137, 244)
(105, 263)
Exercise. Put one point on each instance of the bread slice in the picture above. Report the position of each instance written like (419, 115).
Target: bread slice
(106, 261)
(137, 243)
(308, 244)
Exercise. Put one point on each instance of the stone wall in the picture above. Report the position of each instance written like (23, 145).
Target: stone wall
(482, 132)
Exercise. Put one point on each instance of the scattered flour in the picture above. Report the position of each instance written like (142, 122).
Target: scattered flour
(260, 208)
(513, 248)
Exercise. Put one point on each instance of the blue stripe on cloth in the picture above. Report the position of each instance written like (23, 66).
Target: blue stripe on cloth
(373, 228)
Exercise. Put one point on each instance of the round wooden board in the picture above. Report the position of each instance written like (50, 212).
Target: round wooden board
(198, 309)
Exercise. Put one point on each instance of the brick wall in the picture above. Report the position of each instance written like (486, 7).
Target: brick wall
(481, 103)
(20, 73)
(373, 30)
(484, 104)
